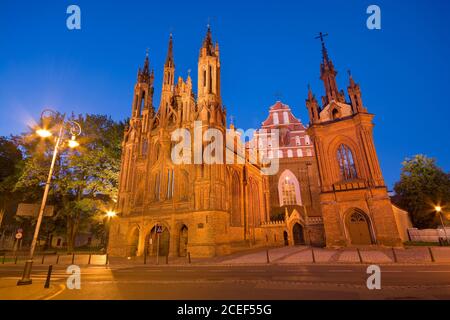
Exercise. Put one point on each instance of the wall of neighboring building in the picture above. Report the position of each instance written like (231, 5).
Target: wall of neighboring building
(403, 222)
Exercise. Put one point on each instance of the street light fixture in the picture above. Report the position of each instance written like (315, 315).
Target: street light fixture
(43, 133)
(64, 127)
(439, 211)
(111, 214)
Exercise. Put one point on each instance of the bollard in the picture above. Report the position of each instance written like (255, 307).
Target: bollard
(167, 259)
(313, 255)
(431, 254)
(89, 260)
(57, 259)
(189, 257)
(107, 260)
(49, 275)
(15, 260)
(395, 255)
(267, 256)
(359, 255)
(73, 258)
(43, 258)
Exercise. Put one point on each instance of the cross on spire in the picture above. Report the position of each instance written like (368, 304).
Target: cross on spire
(321, 36)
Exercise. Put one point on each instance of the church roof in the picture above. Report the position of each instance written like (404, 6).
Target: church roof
(280, 108)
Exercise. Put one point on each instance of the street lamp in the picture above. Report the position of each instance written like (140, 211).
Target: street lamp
(64, 127)
(109, 215)
(439, 211)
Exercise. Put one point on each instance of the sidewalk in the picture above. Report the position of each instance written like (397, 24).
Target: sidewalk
(10, 291)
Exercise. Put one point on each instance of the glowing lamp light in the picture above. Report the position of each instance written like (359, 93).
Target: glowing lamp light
(438, 209)
(43, 133)
(73, 143)
(111, 214)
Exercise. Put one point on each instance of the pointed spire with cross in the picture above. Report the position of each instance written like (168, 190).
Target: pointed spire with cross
(321, 36)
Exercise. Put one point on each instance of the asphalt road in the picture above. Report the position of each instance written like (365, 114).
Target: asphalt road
(291, 282)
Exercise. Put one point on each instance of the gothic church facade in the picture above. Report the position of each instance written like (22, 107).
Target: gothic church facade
(329, 189)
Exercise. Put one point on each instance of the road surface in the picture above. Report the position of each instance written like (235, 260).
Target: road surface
(290, 282)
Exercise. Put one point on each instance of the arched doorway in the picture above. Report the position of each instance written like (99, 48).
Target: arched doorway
(134, 242)
(152, 242)
(358, 226)
(182, 247)
(286, 238)
(298, 234)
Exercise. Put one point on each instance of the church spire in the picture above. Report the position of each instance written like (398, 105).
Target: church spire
(312, 106)
(169, 58)
(354, 92)
(328, 75)
(208, 48)
(169, 68)
(145, 75)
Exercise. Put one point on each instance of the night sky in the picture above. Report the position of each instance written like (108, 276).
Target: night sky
(268, 52)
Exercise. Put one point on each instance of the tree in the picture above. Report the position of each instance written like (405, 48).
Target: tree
(10, 166)
(422, 185)
(85, 179)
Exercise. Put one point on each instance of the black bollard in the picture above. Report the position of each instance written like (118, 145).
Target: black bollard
(57, 259)
(359, 255)
(73, 258)
(43, 258)
(431, 254)
(395, 255)
(267, 256)
(107, 260)
(313, 255)
(89, 261)
(49, 276)
(189, 257)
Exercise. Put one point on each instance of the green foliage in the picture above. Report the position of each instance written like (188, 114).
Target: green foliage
(85, 179)
(422, 185)
(10, 169)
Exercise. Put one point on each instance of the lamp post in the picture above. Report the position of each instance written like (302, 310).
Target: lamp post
(439, 211)
(74, 129)
(109, 215)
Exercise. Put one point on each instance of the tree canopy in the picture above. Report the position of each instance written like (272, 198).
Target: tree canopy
(85, 179)
(422, 186)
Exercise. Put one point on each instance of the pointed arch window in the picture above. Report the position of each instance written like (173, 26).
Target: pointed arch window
(346, 163)
(157, 186)
(288, 193)
(170, 183)
(289, 189)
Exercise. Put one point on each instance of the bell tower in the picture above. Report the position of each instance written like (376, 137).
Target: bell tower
(355, 204)
(209, 99)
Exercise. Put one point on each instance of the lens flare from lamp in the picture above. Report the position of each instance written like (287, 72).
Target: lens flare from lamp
(110, 214)
(43, 133)
(73, 143)
(438, 209)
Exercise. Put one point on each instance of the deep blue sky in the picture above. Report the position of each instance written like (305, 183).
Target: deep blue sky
(267, 47)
